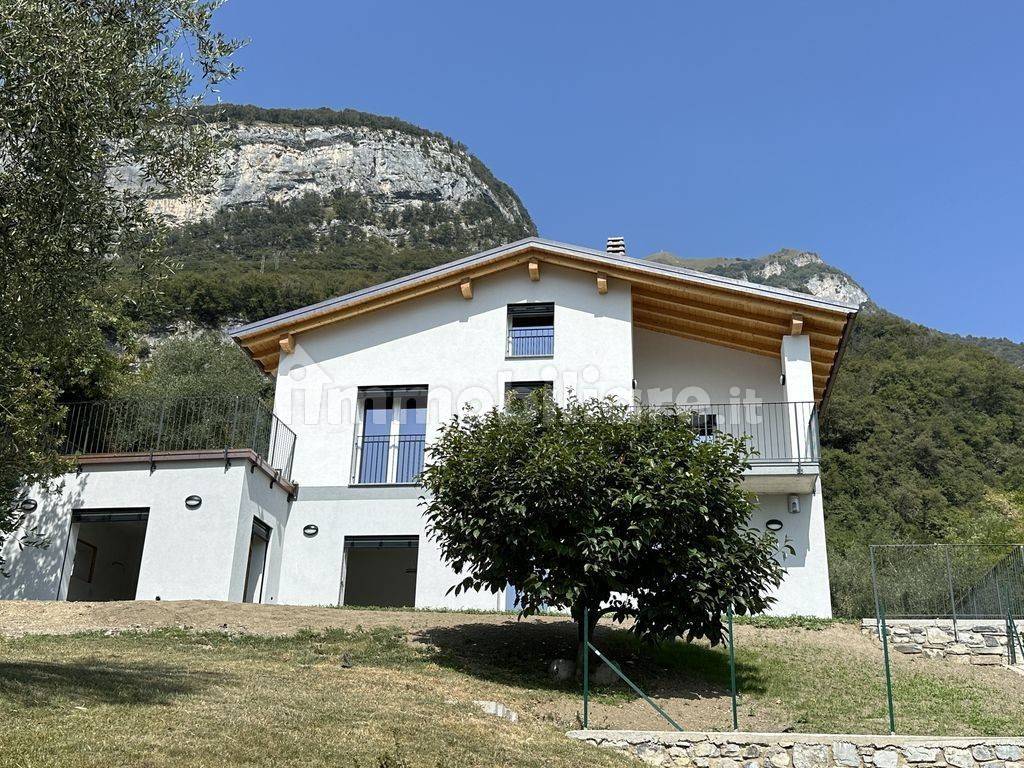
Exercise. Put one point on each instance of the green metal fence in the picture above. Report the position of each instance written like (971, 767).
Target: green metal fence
(589, 647)
(958, 582)
(954, 581)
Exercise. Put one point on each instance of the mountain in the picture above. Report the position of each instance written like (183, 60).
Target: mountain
(308, 204)
(1011, 351)
(787, 268)
(397, 171)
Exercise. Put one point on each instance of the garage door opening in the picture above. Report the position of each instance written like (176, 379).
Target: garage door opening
(105, 553)
(380, 571)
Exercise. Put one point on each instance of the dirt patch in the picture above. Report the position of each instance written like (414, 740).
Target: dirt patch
(37, 617)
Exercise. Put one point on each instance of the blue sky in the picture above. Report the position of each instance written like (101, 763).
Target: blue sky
(885, 136)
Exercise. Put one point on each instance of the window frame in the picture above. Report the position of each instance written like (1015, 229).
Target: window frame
(529, 309)
(535, 384)
(394, 396)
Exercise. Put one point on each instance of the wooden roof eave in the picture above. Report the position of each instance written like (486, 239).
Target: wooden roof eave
(744, 321)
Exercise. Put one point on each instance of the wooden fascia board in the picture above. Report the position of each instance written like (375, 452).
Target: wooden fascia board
(380, 302)
(760, 309)
(720, 315)
(532, 251)
(756, 343)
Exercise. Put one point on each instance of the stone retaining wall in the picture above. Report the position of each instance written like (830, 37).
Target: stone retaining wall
(790, 750)
(975, 642)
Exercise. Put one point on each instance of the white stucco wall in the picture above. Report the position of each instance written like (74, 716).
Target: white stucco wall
(805, 590)
(670, 369)
(313, 566)
(456, 348)
(188, 554)
(269, 504)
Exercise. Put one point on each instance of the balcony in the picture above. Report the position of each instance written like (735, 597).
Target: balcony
(531, 342)
(531, 330)
(388, 459)
(782, 437)
(178, 429)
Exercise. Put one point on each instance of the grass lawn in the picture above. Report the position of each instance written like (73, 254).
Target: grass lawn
(396, 689)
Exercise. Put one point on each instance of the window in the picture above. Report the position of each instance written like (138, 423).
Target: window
(704, 424)
(391, 435)
(523, 389)
(531, 330)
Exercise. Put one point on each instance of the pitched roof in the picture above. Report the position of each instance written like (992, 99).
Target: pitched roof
(667, 299)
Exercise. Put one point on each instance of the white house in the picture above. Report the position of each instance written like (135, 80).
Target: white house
(317, 503)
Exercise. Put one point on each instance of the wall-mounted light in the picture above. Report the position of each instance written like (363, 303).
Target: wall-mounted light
(773, 525)
(28, 505)
(794, 504)
(193, 501)
(310, 531)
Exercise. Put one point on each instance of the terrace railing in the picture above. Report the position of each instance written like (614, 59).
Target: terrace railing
(777, 433)
(150, 426)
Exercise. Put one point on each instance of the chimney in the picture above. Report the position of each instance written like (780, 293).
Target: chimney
(616, 245)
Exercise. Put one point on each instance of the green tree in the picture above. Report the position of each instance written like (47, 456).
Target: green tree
(596, 505)
(204, 367)
(91, 91)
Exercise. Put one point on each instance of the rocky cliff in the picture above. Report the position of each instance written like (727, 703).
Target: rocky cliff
(400, 174)
(787, 268)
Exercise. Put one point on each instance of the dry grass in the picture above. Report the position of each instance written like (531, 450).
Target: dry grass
(160, 697)
(172, 698)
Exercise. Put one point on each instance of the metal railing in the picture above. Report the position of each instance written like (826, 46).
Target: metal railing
(948, 581)
(388, 459)
(140, 426)
(777, 433)
(536, 341)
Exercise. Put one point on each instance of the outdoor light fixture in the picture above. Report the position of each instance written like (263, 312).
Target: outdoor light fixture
(773, 525)
(28, 505)
(794, 504)
(310, 531)
(193, 501)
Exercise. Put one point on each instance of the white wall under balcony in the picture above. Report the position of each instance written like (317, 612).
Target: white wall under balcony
(187, 554)
(314, 565)
(805, 590)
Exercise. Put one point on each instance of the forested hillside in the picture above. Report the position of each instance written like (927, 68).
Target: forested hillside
(250, 262)
(923, 440)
